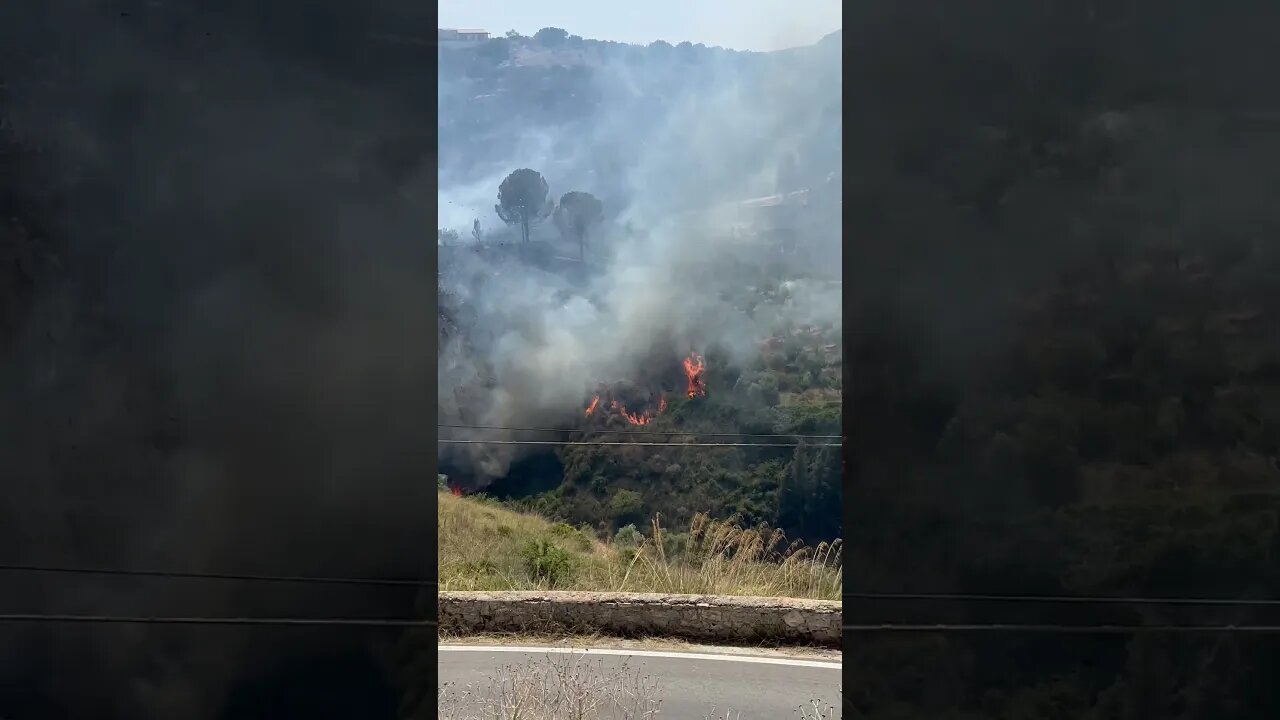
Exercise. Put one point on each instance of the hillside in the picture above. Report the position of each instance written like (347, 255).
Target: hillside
(622, 120)
(711, 241)
(791, 387)
(485, 546)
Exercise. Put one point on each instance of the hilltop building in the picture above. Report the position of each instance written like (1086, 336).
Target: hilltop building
(449, 37)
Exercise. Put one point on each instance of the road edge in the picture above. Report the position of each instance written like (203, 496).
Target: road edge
(714, 618)
(629, 652)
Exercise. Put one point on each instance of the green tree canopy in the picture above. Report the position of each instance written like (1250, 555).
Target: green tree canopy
(551, 36)
(522, 199)
(577, 214)
(626, 505)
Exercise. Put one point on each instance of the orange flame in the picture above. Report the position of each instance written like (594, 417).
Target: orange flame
(635, 418)
(693, 367)
(455, 491)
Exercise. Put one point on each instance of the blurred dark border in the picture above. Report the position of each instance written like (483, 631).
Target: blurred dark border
(296, 457)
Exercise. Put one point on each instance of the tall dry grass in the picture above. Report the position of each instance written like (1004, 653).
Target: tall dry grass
(482, 547)
(725, 558)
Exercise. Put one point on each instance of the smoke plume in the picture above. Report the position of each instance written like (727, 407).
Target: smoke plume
(672, 141)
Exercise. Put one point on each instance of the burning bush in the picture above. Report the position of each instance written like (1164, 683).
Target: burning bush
(616, 399)
(694, 366)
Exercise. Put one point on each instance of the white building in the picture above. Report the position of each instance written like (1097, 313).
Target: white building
(449, 37)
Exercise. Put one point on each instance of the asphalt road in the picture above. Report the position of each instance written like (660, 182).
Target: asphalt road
(691, 685)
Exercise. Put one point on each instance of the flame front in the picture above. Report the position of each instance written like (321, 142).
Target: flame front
(693, 367)
(635, 418)
(642, 418)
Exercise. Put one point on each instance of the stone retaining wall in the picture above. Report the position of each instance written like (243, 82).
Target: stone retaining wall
(727, 619)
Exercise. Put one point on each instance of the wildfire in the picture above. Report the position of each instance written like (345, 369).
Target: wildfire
(642, 417)
(455, 491)
(693, 367)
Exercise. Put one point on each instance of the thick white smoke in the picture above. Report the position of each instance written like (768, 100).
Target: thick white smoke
(673, 143)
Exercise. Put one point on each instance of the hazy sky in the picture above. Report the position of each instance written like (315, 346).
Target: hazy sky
(737, 24)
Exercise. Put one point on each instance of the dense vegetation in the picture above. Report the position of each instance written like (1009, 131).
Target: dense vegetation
(1061, 354)
(792, 389)
(795, 488)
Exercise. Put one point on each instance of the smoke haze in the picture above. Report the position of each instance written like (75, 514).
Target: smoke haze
(670, 140)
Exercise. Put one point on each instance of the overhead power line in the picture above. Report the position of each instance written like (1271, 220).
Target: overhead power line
(1069, 629)
(405, 623)
(1066, 599)
(643, 432)
(11, 567)
(162, 620)
(416, 582)
(639, 444)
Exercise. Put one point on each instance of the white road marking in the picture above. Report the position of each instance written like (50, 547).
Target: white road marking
(794, 662)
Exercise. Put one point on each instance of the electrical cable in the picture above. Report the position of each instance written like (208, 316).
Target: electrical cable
(1067, 629)
(412, 582)
(163, 620)
(651, 432)
(404, 623)
(640, 444)
(12, 567)
(1066, 599)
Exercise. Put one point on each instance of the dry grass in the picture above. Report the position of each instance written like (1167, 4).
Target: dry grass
(812, 710)
(570, 687)
(562, 687)
(481, 546)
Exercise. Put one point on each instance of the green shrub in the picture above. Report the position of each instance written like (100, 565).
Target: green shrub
(674, 544)
(628, 538)
(485, 499)
(573, 535)
(626, 505)
(547, 562)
